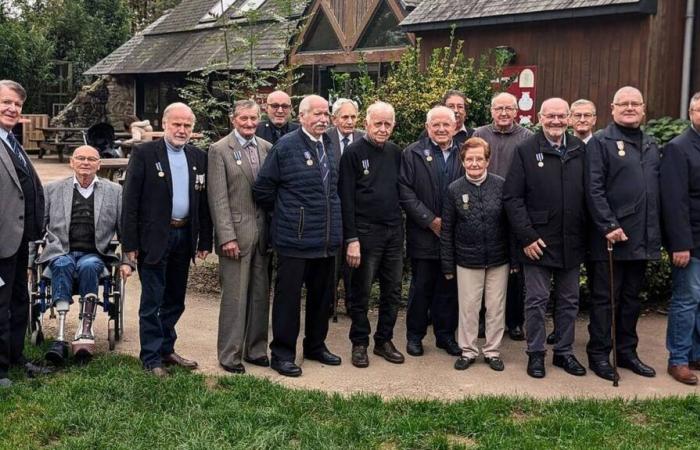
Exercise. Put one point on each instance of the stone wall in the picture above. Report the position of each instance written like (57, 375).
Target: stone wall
(109, 99)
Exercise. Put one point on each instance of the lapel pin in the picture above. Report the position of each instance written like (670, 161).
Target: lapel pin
(621, 148)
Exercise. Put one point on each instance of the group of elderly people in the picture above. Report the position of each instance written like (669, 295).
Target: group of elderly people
(495, 220)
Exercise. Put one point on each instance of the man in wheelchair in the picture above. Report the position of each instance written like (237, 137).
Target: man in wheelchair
(82, 217)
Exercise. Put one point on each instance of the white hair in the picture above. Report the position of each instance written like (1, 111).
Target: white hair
(342, 102)
(177, 105)
(380, 106)
(512, 97)
(305, 104)
(440, 109)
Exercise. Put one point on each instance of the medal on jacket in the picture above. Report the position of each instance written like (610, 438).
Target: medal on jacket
(199, 182)
(465, 201)
(365, 165)
(621, 148)
(540, 159)
(428, 156)
(237, 156)
(309, 161)
(159, 168)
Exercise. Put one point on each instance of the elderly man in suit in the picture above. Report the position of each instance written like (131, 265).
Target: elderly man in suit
(343, 133)
(82, 217)
(240, 241)
(165, 221)
(21, 221)
(278, 107)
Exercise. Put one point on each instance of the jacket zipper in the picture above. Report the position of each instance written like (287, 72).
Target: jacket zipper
(300, 231)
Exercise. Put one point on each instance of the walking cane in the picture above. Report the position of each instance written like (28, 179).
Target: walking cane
(616, 377)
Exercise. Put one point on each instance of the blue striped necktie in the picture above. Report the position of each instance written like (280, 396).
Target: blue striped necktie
(323, 162)
(17, 149)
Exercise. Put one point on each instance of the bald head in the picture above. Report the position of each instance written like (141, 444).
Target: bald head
(554, 117)
(178, 123)
(85, 163)
(628, 107)
(278, 107)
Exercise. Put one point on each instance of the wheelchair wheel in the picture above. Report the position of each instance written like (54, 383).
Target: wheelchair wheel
(111, 334)
(118, 299)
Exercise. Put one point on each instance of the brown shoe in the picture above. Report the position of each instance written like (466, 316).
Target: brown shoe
(359, 356)
(158, 372)
(174, 359)
(682, 373)
(388, 352)
(694, 365)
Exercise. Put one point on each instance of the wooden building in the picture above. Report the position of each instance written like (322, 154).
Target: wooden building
(581, 48)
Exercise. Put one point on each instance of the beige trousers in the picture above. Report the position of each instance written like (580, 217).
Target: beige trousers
(472, 284)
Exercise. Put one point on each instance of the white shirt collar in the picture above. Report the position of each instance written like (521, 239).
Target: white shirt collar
(341, 136)
(87, 191)
(243, 141)
(313, 139)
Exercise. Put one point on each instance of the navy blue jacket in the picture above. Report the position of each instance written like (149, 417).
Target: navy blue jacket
(622, 190)
(421, 197)
(306, 221)
(680, 196)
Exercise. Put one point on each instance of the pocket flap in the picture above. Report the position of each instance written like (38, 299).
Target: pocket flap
(625, 210)
(237, 217)
(539, 217)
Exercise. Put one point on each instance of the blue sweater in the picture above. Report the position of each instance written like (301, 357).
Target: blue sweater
(306, 222)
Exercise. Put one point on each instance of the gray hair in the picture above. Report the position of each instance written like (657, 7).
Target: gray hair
(551, 100)
(694, 99)
(625, 89)
(244, 104)
(379, 106)
(440, 108)
(16, 87)
(583, 102)
(505, 94)
(176, 105)
(342, 102)
(305, 104)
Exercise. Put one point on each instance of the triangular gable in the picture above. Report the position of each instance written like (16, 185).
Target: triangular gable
(321, 35)
(383, 30)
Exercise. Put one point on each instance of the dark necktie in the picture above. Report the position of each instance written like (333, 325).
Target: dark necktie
(345, 141)
(323, 162)
(253, 158)
(17, 149)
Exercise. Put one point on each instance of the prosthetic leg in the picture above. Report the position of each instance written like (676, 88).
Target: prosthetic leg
(58, 351)
(84, 344)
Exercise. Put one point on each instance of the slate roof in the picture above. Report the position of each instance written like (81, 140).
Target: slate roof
(442, 14)
(179, 41)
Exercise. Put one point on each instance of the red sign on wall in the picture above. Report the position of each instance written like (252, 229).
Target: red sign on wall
(523, 87)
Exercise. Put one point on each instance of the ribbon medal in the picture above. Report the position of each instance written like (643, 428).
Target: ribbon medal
(540, 159)
(309, 161)
(159, 168)
(428, 156)
(199, 182)
(237, 156)
(621, 148)
(365, 165)
(465, 201)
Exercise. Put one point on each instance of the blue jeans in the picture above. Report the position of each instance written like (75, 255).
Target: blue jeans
(88, 266)
(683, 332)
(163, 287)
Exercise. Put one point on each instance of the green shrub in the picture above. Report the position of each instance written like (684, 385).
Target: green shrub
(665, 128)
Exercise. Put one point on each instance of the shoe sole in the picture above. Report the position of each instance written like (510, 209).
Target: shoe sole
(360, 365)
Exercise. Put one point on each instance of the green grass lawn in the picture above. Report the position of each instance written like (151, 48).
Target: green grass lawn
(112, 403)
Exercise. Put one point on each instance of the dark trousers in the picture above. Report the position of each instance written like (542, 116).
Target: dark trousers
(292, 273)
(538, 284)
(14, 308)
(431, 291)
(381, 256)
(515, 306)
(629, 279)
(163, 287)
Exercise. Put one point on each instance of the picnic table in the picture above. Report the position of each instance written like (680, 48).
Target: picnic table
(63, 140)
(113, 169)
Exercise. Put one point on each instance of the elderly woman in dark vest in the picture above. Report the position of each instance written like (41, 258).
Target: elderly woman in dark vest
(474, 248)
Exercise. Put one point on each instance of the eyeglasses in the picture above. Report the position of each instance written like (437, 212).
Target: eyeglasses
(579, 116)
(279, 106)
(475, 160)
(626, 105)
(555, 116)
(91, 159)
(500, 109)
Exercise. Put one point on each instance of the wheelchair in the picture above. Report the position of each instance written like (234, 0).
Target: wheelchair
(111, 300)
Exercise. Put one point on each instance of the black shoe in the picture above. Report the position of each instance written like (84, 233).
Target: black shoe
(32, 370)
(552, 338)
(359, 356)
(388, 352)
(57, 353)
(603, 369)
(263, 361)
(464, 363)
(286, 368)
(535, 365)
(414, 348)
(570, 364)
(324, 357)
(516, 334)
(236, 368)
(451, 347)
(495, 363)
(636, 366)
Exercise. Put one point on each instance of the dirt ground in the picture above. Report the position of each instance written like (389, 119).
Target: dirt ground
(430, 376)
